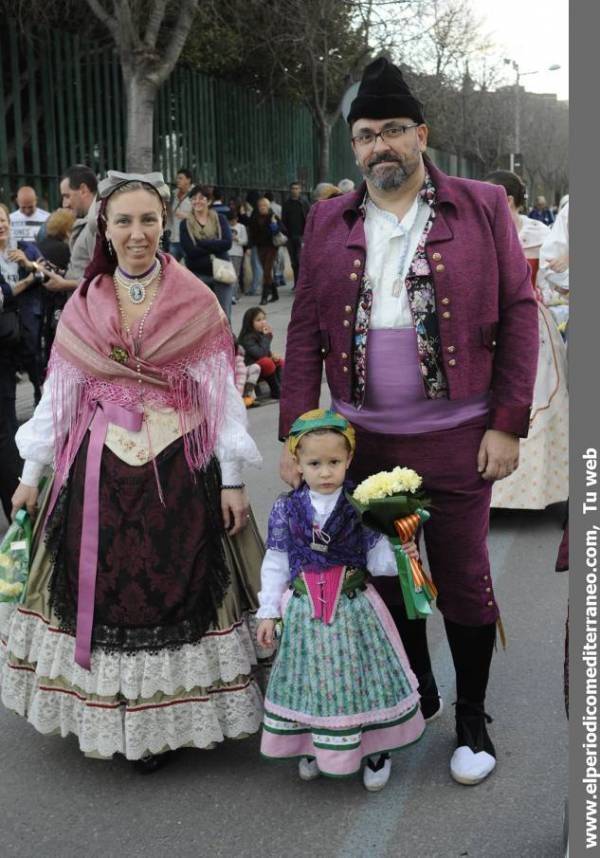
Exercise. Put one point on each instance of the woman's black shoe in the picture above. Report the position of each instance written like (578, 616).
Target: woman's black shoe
(151, 763)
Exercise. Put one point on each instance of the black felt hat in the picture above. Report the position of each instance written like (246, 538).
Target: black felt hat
(383, 94)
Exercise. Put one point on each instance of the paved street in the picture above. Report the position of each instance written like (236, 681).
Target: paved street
(229, 802)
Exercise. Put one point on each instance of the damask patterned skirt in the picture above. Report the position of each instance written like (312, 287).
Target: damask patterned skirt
(542, 477)
(173, 658)
(340, 692)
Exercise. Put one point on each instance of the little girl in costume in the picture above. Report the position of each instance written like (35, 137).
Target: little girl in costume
(341, 689)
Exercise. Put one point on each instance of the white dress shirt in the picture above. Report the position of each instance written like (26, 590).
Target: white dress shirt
(391, 245)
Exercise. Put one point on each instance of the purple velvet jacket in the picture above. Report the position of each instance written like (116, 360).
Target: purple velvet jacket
(486, 308)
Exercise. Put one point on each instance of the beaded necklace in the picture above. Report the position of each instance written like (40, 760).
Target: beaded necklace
(136, 286)
(137, 339)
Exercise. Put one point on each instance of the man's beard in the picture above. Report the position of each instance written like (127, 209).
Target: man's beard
(390, 179)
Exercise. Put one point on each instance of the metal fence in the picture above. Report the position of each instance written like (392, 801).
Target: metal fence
(62, 102)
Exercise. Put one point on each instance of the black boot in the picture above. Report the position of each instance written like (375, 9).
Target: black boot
(274, 293)
(264, 297)
(414, 638)
(432, 704)
(275, 387)
(471, 647)
(471, 729)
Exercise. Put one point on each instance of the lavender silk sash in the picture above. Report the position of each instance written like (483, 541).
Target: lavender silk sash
(106, 412)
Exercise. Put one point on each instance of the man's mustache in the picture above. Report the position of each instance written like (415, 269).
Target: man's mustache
(381, 159)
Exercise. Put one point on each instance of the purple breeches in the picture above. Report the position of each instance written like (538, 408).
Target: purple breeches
(456, 534)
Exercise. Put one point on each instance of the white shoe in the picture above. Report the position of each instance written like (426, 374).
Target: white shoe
(376, 780)
(308, 769)
(468, 767)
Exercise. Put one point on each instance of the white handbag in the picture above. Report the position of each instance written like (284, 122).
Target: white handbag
(223, 270)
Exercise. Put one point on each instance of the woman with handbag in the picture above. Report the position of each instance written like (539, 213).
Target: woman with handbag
(205, 237)
(134, 631)
(267, 235)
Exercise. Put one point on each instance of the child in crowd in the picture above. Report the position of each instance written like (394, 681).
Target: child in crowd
(246, 377)
(341, 689)
(255, 338)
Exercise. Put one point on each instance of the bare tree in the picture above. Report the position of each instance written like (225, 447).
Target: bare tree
(149, 37)
(545, 143)
(309, 50)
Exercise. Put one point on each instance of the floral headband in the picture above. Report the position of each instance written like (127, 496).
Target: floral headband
(316, 419)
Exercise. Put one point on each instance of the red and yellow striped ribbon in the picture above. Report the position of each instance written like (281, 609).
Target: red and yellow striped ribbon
(406, 528)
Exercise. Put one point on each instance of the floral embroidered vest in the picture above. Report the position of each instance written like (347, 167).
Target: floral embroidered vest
(421, 299)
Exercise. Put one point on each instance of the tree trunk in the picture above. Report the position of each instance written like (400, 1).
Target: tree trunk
(324, 133)
(141, 97)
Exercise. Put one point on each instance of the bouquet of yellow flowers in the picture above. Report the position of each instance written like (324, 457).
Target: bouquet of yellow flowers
(393, 503)
(14, 558)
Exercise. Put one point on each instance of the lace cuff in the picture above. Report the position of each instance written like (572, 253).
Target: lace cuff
(381, 559)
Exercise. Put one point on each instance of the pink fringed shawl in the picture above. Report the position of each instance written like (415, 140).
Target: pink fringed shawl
(185, 328)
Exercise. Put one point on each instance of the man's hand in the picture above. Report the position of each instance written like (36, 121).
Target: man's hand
(498, 455)
(235, 509)
(288, 469)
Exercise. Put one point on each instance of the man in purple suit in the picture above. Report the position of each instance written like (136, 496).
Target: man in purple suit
(415, 294)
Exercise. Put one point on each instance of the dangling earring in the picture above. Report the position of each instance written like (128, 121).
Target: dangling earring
(111, 249)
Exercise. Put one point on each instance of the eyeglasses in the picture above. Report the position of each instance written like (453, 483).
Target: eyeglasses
(394, 132)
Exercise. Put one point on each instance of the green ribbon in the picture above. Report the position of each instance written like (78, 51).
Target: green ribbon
(416, 602)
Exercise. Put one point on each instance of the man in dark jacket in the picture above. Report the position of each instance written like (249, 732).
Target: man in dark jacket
(415, 294)
(294, 214)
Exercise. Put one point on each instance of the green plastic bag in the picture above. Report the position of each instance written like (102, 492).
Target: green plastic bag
(15, 551)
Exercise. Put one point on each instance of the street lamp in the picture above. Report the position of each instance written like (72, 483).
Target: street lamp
(519, 75)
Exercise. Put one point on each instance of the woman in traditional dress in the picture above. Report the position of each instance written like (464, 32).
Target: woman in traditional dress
(542, 477)
(133, 633)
